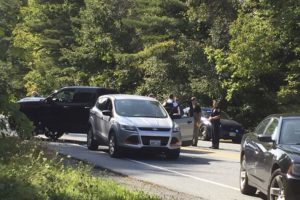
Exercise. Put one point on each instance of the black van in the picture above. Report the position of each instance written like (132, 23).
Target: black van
(66, 110)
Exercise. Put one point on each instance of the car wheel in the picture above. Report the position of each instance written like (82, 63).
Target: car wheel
(54, 135)
(278, 189)
(113, 147)
(203, 132)
(91, 142)
(245, 188)
(173, 154)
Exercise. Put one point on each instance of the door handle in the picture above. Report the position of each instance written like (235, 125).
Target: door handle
(87, 107)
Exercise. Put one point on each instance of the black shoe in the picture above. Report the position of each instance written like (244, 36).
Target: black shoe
(194, 145)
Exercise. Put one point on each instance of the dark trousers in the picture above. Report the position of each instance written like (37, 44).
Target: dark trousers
(216, 135)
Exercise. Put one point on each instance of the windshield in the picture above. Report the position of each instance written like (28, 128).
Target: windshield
(290, 131)
(207, 112)
(140, 108)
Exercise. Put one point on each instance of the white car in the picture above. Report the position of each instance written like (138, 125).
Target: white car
(133, 122)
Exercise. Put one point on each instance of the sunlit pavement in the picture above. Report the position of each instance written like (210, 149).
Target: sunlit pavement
(227, 149)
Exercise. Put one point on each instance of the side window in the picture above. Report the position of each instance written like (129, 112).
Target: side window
(262, 126)
(83, 97)
(101, 103)
(272, 127)
(108, 105)
(65, 96)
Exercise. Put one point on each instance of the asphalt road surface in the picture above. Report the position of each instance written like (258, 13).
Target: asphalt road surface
(202, 172)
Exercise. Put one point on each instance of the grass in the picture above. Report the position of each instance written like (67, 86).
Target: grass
(29, 172)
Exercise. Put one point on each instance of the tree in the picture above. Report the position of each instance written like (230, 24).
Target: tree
(260, 64)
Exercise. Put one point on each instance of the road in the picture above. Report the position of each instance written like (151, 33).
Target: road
(202, 172)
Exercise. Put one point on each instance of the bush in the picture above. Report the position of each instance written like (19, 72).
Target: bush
(28, 172)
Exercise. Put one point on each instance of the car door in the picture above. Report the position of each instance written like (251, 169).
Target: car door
(98, 117)
(106, 122)
(186, 125)
(55, 111)
(252, 149)
(265, 153)
(78, 111)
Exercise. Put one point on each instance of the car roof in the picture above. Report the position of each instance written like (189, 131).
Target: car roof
(84, 87)
(286, 115)
(129, 96)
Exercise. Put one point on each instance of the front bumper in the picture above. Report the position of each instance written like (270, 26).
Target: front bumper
(150, 139)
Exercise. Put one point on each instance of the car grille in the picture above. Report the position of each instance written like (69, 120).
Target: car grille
(163, 140)
(153, 129)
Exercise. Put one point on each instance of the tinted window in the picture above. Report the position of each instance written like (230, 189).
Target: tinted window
(83, 97)
(139, 108)
(290, 131)
(64, 96)
(272, 127)
(262, 126)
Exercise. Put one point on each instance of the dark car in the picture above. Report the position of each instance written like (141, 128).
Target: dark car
(66, 110)
(230, 129)
(270, 158)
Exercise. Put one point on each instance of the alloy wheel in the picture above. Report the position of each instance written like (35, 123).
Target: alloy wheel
(112, 145)
(277, 191)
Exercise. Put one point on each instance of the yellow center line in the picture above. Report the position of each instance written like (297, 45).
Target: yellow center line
(214, 153)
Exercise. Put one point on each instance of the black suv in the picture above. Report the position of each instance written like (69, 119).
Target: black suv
(66, 110)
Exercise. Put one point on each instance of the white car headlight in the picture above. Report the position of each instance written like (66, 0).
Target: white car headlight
(294, 170)
(175, 128)
(128, 128)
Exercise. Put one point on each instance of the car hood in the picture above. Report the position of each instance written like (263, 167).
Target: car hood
(229, 122)
(293, 151)
(147, 122)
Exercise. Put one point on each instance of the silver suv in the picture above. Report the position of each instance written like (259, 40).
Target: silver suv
(135, 122)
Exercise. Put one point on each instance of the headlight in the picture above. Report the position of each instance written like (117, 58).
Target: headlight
(176, 128)
(294, 170)
(128, 128)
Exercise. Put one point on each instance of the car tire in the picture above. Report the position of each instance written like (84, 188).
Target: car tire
(53, 135)
(173, 154)
(204, 133)
(114, 149)
(91, 142)
(245, 188)
(278, 188)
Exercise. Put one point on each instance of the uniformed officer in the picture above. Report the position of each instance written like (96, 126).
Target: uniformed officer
(195, 111)
(215, 121)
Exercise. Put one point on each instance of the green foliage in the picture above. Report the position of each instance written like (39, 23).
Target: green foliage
(237, 51)
(28, 172)
(260, 69)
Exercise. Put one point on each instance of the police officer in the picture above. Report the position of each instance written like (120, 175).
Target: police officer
(215, 121)
(195, 111)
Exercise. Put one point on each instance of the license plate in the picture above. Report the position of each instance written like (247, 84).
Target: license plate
(155, 143)
(232, 134)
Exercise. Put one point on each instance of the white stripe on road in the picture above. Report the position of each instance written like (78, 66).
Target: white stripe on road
(186, 175)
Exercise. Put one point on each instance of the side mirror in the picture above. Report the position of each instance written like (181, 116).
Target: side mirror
(107, 113)
(265, 138)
